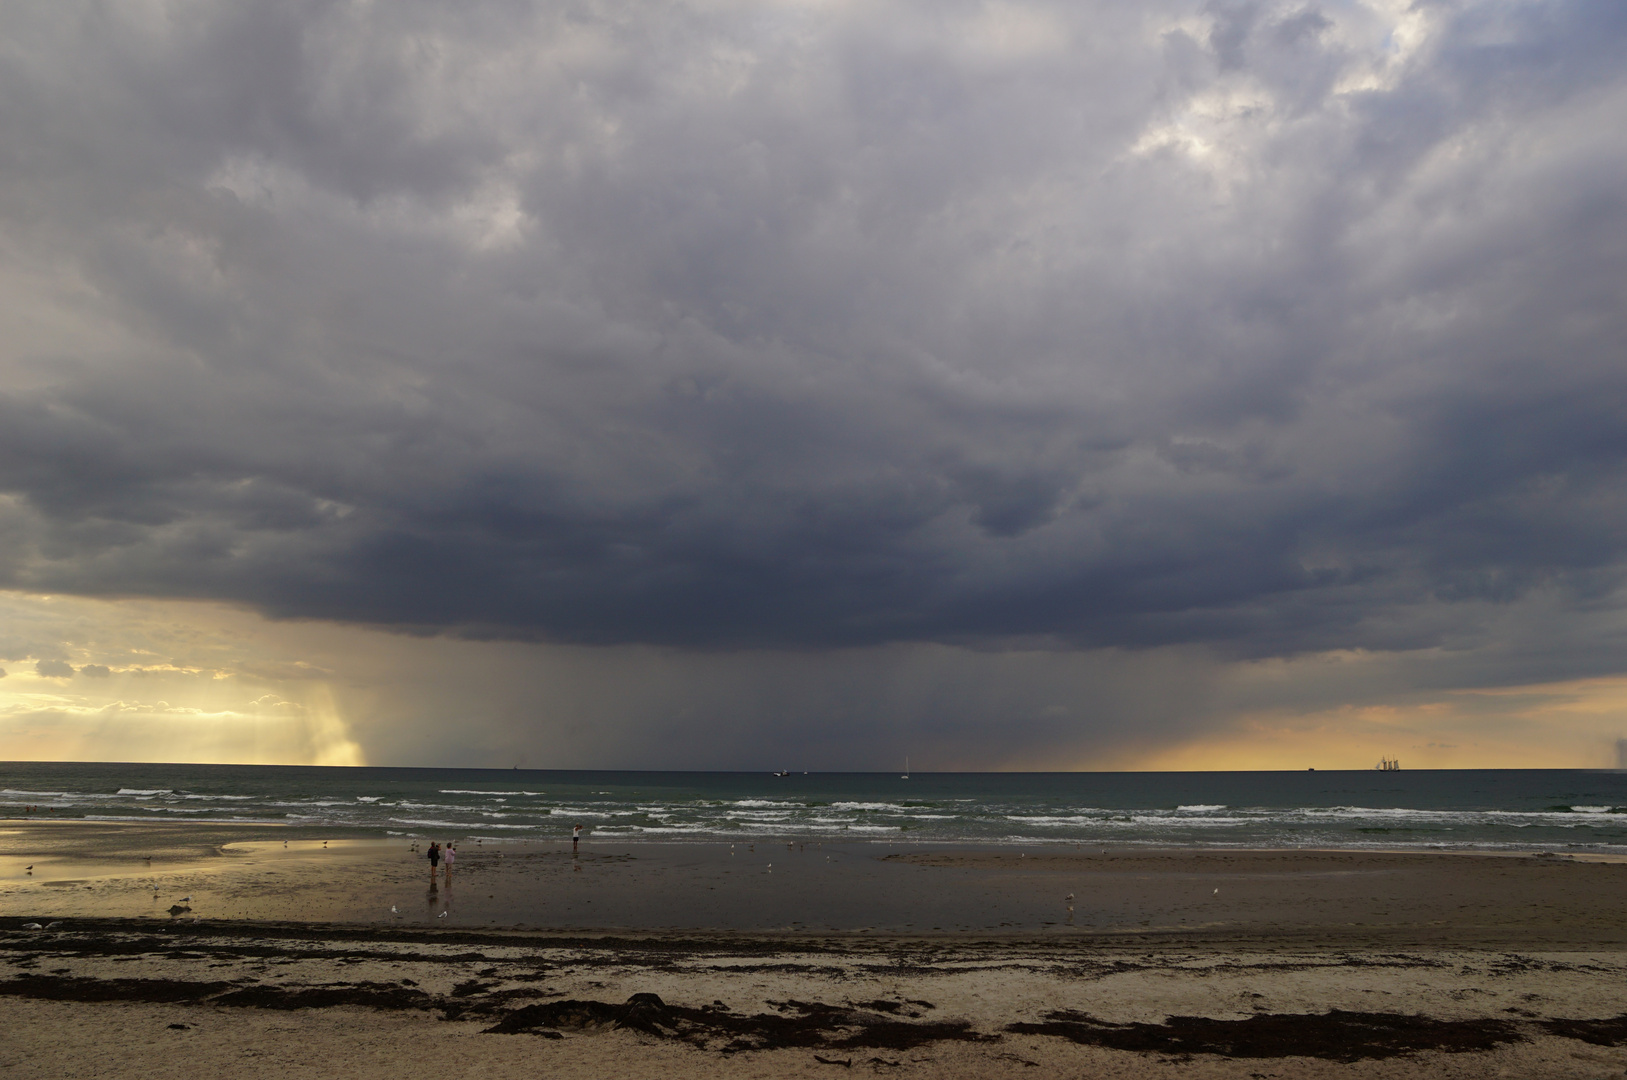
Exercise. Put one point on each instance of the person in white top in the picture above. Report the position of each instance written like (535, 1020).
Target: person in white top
(450, 853)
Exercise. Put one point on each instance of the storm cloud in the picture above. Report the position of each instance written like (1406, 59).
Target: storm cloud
(1265, 328)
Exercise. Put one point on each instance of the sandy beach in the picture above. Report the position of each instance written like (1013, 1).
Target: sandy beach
(161, 951)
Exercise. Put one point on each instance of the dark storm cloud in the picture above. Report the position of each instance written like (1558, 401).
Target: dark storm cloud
(1270, 327)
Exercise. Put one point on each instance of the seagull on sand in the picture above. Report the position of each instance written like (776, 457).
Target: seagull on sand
(186, 899)
(32, 926)
(443, 914)
(1216, 892)
(29, 868)
(393, 910)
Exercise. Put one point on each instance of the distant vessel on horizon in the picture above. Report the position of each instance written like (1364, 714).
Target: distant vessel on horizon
(1388, 765)
(906, 775)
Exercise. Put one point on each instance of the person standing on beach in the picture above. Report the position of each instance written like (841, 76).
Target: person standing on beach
(448, 856)
(576, 837)
(434, 857)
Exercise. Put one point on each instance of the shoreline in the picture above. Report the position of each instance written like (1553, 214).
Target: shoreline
(338, 834)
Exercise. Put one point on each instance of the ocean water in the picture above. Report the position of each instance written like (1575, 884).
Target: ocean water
(1459, 809)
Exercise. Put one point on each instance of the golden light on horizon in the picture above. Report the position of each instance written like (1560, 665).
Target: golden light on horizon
(161, 682)
(1563, 725)
(198, 682)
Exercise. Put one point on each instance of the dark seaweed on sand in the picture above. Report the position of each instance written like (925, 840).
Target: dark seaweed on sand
(1336, 1035)
(369, 995)
(798, 1024)
(65, 988)
(1611, 1032)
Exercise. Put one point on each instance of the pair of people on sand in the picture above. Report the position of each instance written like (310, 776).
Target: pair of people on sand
(437, 855)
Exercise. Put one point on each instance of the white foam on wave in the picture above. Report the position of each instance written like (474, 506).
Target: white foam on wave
(471, 791)
(1200, 808)
(1069, 819)
(1516, 818)
(204, 821)
(1164, 822)
(144, 792)
(432, 824)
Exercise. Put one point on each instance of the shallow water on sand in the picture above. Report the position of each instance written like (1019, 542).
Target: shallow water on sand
(90, 870)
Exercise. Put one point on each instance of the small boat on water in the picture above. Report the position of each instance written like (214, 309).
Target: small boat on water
(906, 775)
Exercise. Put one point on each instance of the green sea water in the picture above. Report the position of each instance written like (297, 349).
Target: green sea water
(1474, 809)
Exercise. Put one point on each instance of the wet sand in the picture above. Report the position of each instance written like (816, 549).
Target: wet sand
(913, 961)
(1331, 898)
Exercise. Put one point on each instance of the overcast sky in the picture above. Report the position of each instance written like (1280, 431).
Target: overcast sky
(1077, 383)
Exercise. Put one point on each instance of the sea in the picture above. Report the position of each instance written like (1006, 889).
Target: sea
(1503, 809)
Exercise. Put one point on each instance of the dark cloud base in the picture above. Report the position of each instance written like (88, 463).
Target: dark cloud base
(1229, 324)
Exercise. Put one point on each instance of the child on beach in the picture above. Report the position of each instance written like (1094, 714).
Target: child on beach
(447, 856)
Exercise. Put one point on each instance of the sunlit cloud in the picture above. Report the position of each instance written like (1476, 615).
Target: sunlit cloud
(180, 683)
